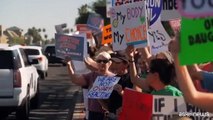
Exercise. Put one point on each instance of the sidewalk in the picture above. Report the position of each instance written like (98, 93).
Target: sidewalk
(78, 113)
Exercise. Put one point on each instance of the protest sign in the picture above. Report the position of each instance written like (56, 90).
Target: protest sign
(154, 8)
(158, 38)
(72, 47)
(136, 106)
(195, 8)
(88, 29)
(60, 29)
(102, 87)
(170, 10)
(124, 2)
(156, 107)
(196, 44)
(107, 34)
(129, 25)
(95, 20)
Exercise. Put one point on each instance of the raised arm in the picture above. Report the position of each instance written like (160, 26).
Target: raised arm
(191, 95)
(91, 64)
(145, 53)
(75, 78)
(133, 71)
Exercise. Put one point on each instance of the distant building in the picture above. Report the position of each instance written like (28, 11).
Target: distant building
(12, 32)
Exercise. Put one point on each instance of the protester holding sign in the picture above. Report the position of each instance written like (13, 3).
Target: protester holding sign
(121, 64)
(96, 111)
(161, 73)
(200, 99)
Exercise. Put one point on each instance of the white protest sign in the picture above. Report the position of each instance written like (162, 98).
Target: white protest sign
(124, 2)
(154, 8)
(167, 107)
(140, 106)
(196, 8)
(129, 25)
(170, 10)
(158, 38)
(102, 87)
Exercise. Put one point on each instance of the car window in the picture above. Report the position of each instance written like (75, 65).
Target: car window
(50, 49)
(25, 58)
(16, 60)
(31, 52)
(6, 60)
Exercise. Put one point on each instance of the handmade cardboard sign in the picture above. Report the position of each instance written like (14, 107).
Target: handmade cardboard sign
(107, 34)
(196, 8)
(102, 87)
(70, 47)
(156, 107)
(129, 25)
(154, 8)
(196, 44)
(170, 10)
(158, 38)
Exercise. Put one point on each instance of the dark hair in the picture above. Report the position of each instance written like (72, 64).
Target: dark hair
(164, 68)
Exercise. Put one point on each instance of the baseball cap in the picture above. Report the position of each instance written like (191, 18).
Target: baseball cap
(116, 57)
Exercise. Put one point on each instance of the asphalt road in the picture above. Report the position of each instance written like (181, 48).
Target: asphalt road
(58, 96)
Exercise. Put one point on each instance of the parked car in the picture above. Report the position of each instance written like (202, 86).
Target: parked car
(38, 59)
(19, 86)
(49, 52)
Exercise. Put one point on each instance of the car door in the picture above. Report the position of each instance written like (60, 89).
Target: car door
(31, 75)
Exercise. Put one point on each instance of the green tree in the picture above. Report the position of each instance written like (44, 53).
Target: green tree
(45, 36)
(83, 13)
(44, 30)
(98, 7)
(18, 40)
(35, 34)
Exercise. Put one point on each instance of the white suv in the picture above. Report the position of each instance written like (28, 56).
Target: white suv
(37, 58)
(18, 83)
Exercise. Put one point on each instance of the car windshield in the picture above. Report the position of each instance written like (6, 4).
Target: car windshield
(50, 49)
(31, 52)
(6, 60)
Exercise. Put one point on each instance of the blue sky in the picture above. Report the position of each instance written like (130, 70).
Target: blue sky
(39, 13)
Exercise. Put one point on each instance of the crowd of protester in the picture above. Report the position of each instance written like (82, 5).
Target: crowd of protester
(159, 74)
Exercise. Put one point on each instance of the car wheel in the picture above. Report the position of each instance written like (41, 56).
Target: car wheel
(23, 111)
(35, 100)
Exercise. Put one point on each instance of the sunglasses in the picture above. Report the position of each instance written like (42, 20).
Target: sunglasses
(102, 61)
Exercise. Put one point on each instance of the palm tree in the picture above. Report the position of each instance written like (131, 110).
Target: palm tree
(44, 30)
(46, 36)
(39, 30)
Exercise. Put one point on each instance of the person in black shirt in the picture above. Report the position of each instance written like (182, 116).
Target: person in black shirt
(121, 66)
